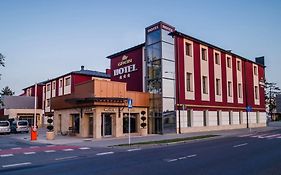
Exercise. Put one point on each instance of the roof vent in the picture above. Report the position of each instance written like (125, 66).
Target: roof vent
(82, 67)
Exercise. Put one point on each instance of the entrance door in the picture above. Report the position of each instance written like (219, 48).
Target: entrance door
(106, 124)
(91, 124)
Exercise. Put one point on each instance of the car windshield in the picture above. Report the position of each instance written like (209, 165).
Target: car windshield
(22, 123)
(4, 124)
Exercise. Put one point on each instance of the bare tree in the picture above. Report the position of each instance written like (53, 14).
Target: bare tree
(272, 90)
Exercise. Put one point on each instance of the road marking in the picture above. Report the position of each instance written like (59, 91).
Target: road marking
(278, 137)
(193, 155)
(274, 135)
(68, 149)
(6, 155)
(105, 153)
(84, 148)
(17, 148)
(50, 145)
(64, 158)
(136, 149)
(49, 151)
(181, 158)
(18, 164)
(243, 144)
(172, 160)
(259, 135)
(28, 153)
(34, 147)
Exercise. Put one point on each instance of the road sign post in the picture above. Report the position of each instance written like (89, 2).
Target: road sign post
(130, 106)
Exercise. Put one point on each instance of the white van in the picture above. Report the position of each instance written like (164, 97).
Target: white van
(5, 127)
(20, 126)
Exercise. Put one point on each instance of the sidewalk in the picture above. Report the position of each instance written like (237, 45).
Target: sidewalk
(107, 142)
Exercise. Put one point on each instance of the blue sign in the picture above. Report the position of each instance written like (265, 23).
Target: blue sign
(130, 103)
(249, 108)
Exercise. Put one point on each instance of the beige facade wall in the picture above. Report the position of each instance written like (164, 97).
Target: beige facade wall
(63, 120)
(16, 113)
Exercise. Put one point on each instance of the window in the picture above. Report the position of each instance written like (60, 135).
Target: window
(133, 123)
(230, 118)
(188, 81)
(188, 50)
(204, 54)
(48, 87)
(217, 58)
(54, 85)
(257, 117)
(239, 65)
(67, 81)
(255, 70)
(228, 62)
(205, 118)
(48, 103)
(240, 117)
(188, 118)
(218, 86)
(239, 90)
(256, 93)
(218, 118)
(60, 83)
(205, 85)
(229, 88)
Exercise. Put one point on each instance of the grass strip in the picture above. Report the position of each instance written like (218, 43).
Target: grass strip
(167, 141)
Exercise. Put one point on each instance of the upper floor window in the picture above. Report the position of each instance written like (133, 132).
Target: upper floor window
(217, 58)
(48, 87)
(218, 86)
(228, 60)
(188, 49)
(255, 70)
(54, 85)
(256, 93)
(204, 54)
(67, 81)
(239, 65)
(239, 90)
(60, 83)
(229, 87)
(205, 84)
(188, 81)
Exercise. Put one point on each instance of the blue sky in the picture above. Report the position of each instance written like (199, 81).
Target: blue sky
(44, 39)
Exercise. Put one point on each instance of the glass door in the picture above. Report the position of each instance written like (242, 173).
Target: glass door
(106, 124)
(91, 125)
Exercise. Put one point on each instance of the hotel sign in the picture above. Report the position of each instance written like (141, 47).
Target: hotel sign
(125, 67)
(160, 25)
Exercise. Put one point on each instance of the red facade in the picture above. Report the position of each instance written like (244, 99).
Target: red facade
(247, 79)
(128, 67)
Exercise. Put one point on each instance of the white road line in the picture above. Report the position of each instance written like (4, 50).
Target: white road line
(136, 149)
(17, 148)
(18, 164)
(34, 147)
(49, 151)
(243, 144)
(68, 149)
(278, 137)
(274, 135)
(28, 153)
(193, 155)
(181, 158)
(84, 148)
(6, 155)
(105, 153)
(64, 158)
(259, 135)
(172, 160)
(247, 135)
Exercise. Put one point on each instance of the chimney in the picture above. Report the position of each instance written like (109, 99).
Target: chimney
(82, 67)
(260, 60)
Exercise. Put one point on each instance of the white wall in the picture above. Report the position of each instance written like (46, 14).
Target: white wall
(205, 72)
(189, 67)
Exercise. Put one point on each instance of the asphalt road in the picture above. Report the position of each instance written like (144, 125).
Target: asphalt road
(258, 153)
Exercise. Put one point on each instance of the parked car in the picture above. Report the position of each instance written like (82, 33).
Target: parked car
(20, 126)
(5, 127)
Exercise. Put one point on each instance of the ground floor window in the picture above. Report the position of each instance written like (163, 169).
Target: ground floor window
(133, 123)
(205, 114)
(218, 117)
(240, 117)
(189, 115)
(257, 117)
(75, 123)
(230, 118)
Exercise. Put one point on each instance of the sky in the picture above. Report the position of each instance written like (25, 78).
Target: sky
(42, 39)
